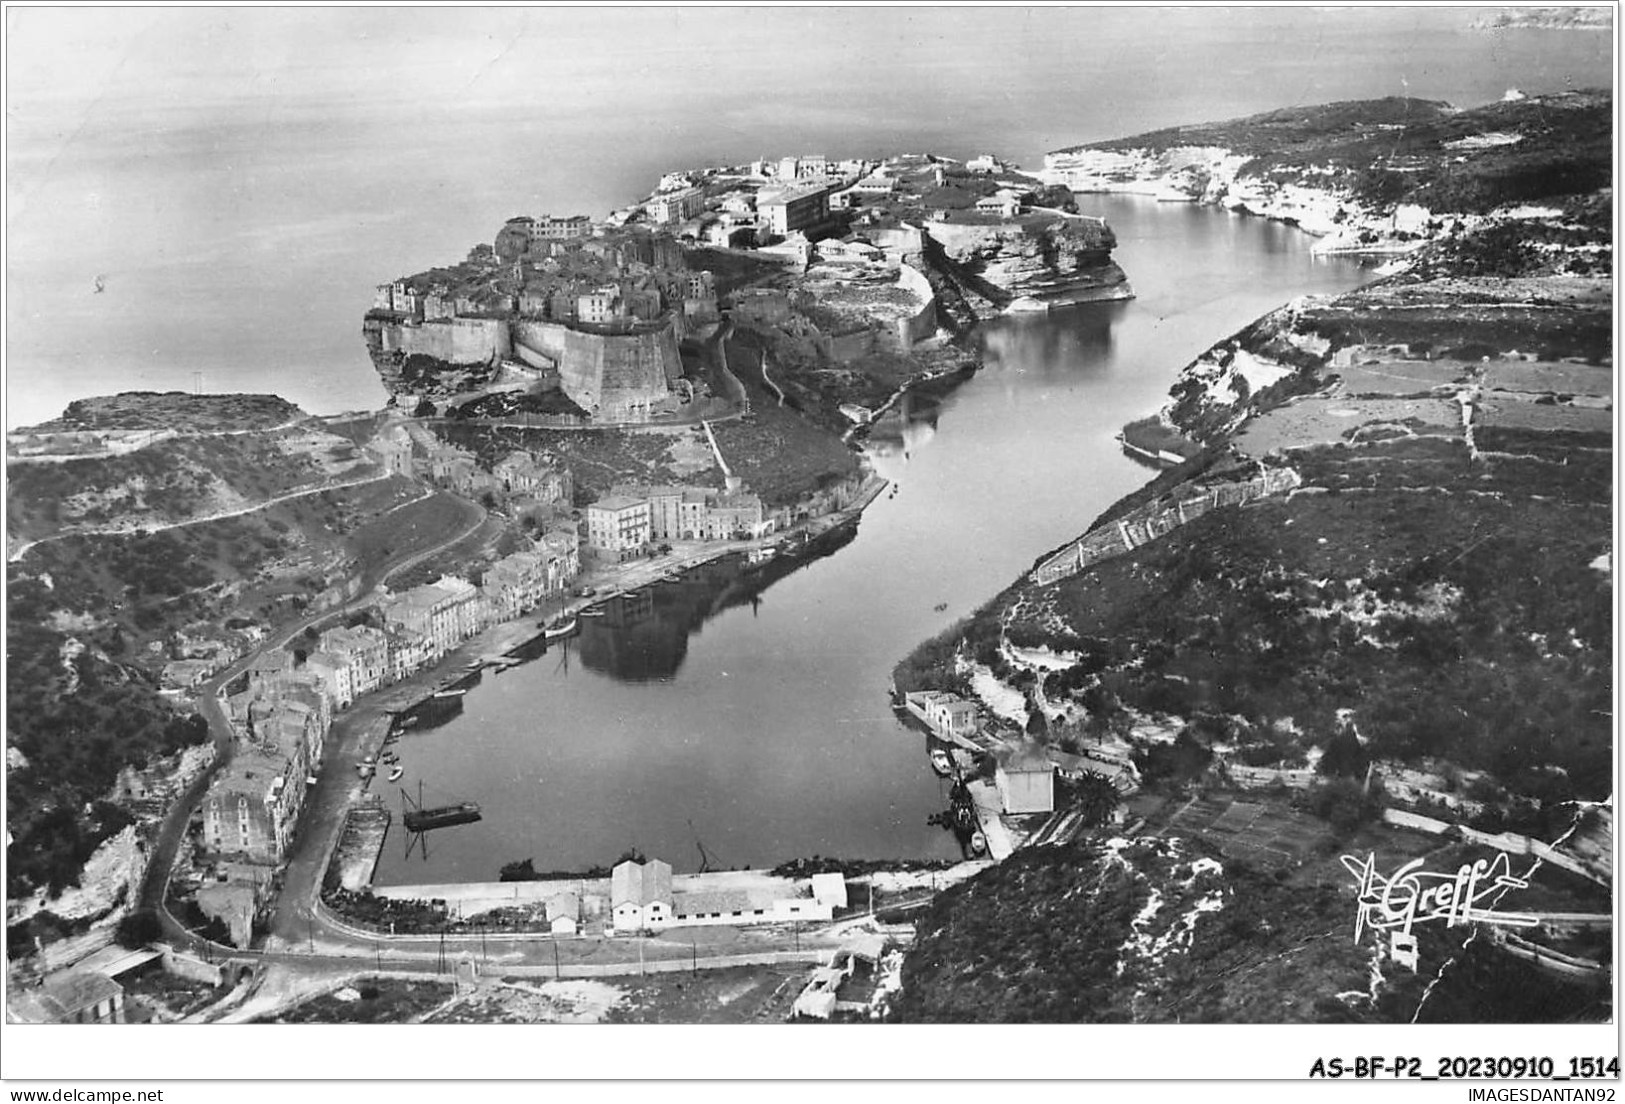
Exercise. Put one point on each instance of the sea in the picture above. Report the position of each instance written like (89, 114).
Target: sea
(238, 182)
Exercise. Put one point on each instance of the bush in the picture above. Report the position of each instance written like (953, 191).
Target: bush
(1344, 804)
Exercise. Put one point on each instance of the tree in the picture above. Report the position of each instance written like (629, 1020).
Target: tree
(1345, 756)
(139, 928)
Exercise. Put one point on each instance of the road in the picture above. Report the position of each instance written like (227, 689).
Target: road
(307, 939)
(221, 515)
(155, 886)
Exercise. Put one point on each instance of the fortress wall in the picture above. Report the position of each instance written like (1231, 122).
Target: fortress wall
(922, 323)
(847, 347)
(454, 340)
(614, 376)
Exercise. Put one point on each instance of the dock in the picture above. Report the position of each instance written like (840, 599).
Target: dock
(362, 841)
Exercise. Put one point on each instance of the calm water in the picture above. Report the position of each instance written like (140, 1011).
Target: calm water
(760, 716)
(243, 203)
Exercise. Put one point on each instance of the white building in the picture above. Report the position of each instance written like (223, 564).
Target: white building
(1025, 777)
(618, 524)
(640, 896)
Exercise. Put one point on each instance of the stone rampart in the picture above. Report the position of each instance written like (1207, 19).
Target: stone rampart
(912, 329)
(453, 340)
(613, 376)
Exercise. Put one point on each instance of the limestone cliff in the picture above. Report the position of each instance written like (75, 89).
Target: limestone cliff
(1369, 176)
(1035, 261)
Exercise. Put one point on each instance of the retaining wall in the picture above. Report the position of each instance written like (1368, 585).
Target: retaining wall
(1147, 523)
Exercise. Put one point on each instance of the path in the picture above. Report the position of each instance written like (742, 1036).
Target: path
(220, 516)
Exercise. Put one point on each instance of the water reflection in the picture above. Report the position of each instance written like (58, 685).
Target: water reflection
(1053, 347)
(643, 636)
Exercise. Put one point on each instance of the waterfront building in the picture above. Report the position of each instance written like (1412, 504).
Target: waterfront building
(640, 896)
(514, 585)
(442, 612)
(1025, 777)
(618, 525)
(337, 675)
(561, 548)
(409, 651)
(732, 516)
(364, 650)
(948, 714)
(798, 207)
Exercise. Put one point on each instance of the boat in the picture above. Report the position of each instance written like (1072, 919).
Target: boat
(591, 611)
(441, 816)
(978, 843)
(450, 693)
(558, 629)
(366, 770)
(1026, 304)
(941, 761)
(395, 772)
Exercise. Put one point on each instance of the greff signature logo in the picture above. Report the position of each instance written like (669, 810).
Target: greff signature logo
(1414, 896)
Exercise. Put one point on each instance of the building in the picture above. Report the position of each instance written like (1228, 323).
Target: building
(561, 548)
(251, 809)
(618, 525)
(875, 184)
(514, 585)
(521, 473)
(564, 914)
(640, 896)
(442, 612)
(778, 904)
(82, 996)
(336, 675)
(798, 207)
(600, 305)
(732, 516)
(947, 714)
(365, 651)
(1025, 777)
(986, 163)
(677, 206)
(562, 228)
(1004, 204)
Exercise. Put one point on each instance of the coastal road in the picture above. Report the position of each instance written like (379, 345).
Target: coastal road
(155, 885)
